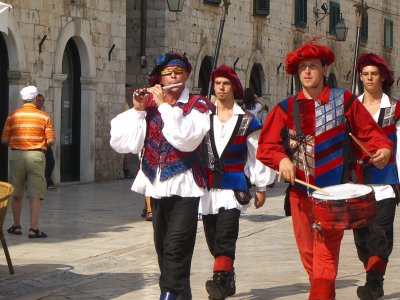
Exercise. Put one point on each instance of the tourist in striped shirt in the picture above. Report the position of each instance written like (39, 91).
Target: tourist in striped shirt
(28, 131)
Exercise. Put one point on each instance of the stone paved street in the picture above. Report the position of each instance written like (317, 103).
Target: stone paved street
(100, 248)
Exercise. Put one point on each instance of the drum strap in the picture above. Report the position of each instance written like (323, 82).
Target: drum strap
(296, 116)
(381, 116)
(349, 174)
(300, 139)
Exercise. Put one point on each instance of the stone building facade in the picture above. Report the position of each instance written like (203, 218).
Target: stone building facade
(75, 53)
(255, 45)
(80, 53)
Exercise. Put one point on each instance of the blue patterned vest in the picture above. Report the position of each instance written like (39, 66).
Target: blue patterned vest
(389, 174)
(227, 172)
(323, 152)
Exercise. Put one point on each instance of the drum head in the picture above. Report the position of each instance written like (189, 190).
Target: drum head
(343, 191)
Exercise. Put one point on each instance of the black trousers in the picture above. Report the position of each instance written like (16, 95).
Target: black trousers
(50, 162)
(376, 239)
(221, 231)
(175, 227)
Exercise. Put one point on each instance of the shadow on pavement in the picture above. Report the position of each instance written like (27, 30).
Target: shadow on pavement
(289, 290)
(62, 281)
(261, 217)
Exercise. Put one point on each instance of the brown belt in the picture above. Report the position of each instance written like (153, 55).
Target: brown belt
(41, 150)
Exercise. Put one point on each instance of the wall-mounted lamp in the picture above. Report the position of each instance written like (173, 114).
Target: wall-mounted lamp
(175, 5)
(341, 30)
(320, 11)
(41, 43)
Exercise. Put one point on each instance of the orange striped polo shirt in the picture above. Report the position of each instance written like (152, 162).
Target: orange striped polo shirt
(28, 128)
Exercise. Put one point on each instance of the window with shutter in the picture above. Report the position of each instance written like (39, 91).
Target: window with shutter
(300, 13)
(212, 1)
(334, 15)
(364, 29)
(261, 7)
(388, 34)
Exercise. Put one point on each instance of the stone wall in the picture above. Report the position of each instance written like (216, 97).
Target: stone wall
(95, 26)
(263, 40)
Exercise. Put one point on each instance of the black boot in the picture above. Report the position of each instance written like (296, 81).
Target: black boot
(127, 174)
(373, 288)
(221, 285)
(186, 294)
(167, 296)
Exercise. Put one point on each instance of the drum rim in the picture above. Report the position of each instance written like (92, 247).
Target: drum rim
(325, 197)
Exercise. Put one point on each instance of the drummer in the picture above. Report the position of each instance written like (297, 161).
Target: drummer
(375, 242)
(303, 137)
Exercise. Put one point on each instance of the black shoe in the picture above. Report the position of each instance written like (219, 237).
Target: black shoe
(221, 285)
(127, 174)
(372, 290)
(167, 296)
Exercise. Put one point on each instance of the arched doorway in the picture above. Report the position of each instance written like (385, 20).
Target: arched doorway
(70, 114)
(332, 82)
(204, 74)
(295, 85)
(256, 79)
(3, 106)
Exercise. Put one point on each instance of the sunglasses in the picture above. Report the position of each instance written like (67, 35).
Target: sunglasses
(168, 72)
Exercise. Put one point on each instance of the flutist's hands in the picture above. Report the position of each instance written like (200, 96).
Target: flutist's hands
(381, 157)
(139, 99)
(287, 170)
(158, 94)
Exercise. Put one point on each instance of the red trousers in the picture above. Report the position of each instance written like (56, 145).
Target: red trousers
(319, 249)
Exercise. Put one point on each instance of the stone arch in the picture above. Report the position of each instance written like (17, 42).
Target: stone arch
(15, 46)
(79, 31)
(257, 59)
(332, 81)
(204, 51)
(18, 76)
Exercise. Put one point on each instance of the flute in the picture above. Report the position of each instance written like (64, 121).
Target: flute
(164, 88)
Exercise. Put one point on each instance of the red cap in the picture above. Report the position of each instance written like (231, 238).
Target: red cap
(227, 72)
(371, 59)
(308, 51)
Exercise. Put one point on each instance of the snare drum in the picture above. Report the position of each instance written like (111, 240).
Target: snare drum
(348, 206)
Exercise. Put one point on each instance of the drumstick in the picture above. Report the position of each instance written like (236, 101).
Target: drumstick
(361, 145)
(311, 186)
(164, 88)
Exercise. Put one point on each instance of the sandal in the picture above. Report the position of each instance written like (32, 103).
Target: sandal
(149, 216)
(15, 229)
(36, 233)
(144, 213)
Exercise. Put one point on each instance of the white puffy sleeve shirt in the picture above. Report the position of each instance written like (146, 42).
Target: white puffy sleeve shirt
(185, 133)
(259, 174)
(385, 191)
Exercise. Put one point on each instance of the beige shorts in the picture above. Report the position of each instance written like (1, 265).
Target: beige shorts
(27, 173)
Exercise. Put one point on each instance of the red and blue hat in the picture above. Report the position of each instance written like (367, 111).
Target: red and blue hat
(171, 59)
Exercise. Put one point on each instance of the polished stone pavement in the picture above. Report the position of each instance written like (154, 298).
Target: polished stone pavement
(100, 248)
